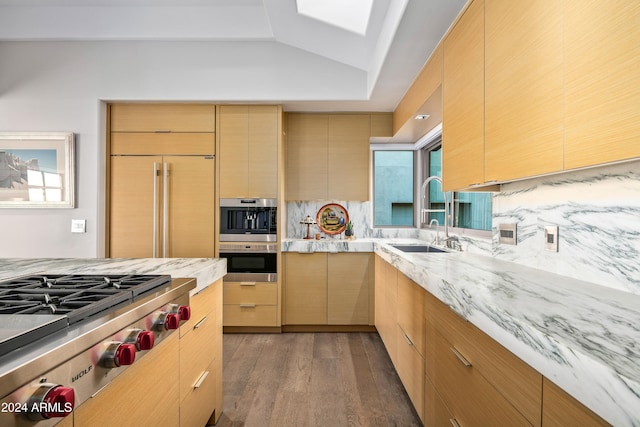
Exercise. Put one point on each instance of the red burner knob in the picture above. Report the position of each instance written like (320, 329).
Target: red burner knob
(125, 354)
(59, 402)
(185, 312)
(144, 341)
(172, 321)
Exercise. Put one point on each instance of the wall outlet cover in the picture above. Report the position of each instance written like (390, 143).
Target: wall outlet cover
(551, 238)
(78, 225)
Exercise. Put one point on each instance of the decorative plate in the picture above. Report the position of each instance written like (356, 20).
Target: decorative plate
(332, 218)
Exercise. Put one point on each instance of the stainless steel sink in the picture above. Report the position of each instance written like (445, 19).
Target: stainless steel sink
(418, 248)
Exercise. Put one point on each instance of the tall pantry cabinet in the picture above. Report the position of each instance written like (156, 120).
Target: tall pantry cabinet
(161, 180)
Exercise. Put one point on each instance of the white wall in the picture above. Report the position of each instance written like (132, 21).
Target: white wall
(60, 86)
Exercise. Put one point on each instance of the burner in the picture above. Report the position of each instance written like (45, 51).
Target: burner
(74, 297)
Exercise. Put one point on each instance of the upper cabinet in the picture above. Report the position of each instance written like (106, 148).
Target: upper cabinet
(249, 138)
(463, 100)
(163, 118)
(523, 83)
(327, 156)
(561, 89)
(602, 82)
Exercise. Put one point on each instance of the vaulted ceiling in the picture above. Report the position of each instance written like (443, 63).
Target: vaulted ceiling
(399, 37)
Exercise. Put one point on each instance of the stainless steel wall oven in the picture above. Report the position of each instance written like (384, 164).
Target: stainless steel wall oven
(248, 220)
(250, 262)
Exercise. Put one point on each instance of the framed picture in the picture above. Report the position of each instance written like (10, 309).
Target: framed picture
(36, 170)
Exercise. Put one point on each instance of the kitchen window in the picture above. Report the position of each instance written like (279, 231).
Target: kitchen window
(471, 210)
(393, 175)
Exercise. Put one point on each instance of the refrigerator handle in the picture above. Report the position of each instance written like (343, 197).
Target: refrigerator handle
(165, 207)
(155, 208)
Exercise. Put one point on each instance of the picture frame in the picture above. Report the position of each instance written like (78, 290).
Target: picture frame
(37, 170)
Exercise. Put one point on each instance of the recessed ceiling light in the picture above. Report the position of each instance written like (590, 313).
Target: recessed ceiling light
(422, 117)
(351, 15)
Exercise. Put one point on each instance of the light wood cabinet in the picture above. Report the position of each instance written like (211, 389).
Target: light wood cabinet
(386, 300)
(201, 359)
(559, 409)
(327, 289)
(463, 100)
(524, 89)
(327, 156)
(249, 138)
(602, 82)
(175, 211)
(305, 285)
(146, 395)
(348, 290)
(139, 117)
(250, 304)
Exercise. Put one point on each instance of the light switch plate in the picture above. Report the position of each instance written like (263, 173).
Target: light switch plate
(551, 238)
(78, 225)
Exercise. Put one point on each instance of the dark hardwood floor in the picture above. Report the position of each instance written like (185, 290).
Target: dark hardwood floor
(311, 379)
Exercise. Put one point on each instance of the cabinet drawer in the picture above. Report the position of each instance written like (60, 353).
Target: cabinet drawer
(436, 412)
(473, 401)
(264, 293)
(199, 403)
(561, 409)
(162, 117)
(410, 367)
(411, 316)
(513, 378)
(202, 304)
(197, 351)
(250, 315)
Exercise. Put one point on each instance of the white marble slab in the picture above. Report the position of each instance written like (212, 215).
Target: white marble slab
(583, 337)
(204, 270)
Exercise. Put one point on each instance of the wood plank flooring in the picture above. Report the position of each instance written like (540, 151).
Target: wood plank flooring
(311, 379)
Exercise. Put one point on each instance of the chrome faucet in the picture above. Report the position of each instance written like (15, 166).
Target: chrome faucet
(426, 211)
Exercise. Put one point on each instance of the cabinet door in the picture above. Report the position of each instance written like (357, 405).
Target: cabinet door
(306, 169)
(560, 409)
(463, 101)
(386, 285)
(234, 150)
(305, 289)
(191, 206)
(602, 81)
(348, 289)
(524, 88)
(410, 367)
(132, 207)
(263, 151)
(348, 157)
(162, 117)
(411, 318)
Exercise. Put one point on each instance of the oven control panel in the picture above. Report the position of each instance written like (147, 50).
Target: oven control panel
(50, 397)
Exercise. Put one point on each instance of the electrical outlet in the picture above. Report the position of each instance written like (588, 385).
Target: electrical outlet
(551, 238)
(507, 234)
(78, 225)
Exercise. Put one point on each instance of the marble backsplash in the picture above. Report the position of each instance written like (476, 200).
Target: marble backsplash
(597, 212)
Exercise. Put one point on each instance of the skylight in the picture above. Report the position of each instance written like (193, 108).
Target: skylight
(350, 15)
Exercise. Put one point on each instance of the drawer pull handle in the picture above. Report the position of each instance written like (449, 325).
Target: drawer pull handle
(454, 422)
(460, 357)
(247, 305)
(201, 322)
(407, 339)
(201, 379)
(247, 283)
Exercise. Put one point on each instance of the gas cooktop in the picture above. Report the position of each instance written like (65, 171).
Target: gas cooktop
(34, 306)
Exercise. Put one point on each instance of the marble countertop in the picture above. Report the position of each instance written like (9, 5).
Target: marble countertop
(583, 337)
(204, 270)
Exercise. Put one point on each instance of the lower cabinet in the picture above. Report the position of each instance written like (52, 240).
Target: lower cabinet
(327, 288)
(146, 395)
(386, 301)
(251, 304)
(201, 359)
(559, 409)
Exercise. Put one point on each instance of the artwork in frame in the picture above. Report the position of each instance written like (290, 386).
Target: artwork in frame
(37, 170)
